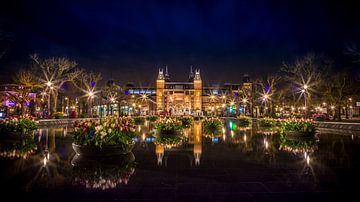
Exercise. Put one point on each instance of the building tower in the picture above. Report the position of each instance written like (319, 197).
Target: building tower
(160, 85)
(167, 77)
(197, 93)
(191, 75)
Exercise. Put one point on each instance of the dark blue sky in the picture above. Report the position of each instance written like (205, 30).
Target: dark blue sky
(126, 41)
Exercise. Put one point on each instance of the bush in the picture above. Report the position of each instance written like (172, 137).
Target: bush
(168, 126)
(186, 122)
(306, 127)
(21, 126)
(266, 123)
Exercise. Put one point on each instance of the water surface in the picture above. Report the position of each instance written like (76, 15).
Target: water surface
(241, 164)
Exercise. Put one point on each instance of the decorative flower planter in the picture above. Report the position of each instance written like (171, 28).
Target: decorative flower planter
(94, 151)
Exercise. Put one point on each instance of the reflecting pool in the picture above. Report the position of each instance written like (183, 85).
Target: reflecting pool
(242, 163)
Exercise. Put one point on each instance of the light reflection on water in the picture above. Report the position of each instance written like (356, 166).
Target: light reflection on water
(50, 165)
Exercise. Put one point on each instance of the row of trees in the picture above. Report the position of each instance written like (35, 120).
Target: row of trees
(311, 79)
(47, 77)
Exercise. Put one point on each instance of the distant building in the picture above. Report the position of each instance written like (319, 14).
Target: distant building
(192, 97)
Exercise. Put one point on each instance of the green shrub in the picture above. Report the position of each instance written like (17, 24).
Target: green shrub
(17, 126)
(266, 123)
(306, 127)
(186, 121)
(168, 126)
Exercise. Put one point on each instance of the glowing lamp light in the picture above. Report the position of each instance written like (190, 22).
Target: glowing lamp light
(244, 100)
(48, 83)
(112, 99)
(306, 86)
(232, 103)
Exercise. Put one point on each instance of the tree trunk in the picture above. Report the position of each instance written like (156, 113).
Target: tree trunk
(338, 111)
(54, 102)
(22, 108)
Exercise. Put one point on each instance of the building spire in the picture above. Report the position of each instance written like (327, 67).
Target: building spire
(161, 74)
(191, 74)
(197, 74)
(167, 77)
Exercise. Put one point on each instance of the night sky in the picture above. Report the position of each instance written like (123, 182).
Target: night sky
(128, 41)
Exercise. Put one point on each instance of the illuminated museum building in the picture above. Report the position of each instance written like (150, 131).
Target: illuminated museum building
(192, 97)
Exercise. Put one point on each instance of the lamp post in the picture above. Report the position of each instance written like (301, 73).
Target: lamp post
(304, 91)
(50, 87)
(265, 99)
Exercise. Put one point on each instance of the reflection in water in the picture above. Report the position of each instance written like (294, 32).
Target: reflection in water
(102, 173)
(18, 148)
(49, 165)
(163, 152)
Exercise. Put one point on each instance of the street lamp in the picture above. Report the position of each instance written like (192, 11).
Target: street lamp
(304, 91)
(49, 85)
(265, 99)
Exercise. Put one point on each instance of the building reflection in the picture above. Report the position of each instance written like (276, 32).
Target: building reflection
(191, 147)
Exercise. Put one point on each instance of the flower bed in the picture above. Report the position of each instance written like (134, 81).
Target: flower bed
(17, 126)
(111, 132)
(186, 121)
(298, 128)
(244, 121)
(139, 120)
(212, 126)
(168, 126)
(266, 123)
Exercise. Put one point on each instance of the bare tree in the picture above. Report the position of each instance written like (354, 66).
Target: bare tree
(53, 73)
(267, 91)
(336, 92)
(307, 74)
(87, 83)
(353, 51)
